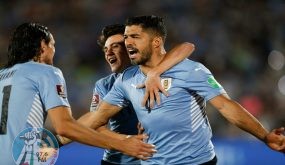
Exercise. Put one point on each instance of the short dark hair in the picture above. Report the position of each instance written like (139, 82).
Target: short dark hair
(108, 31)
(154, 23)
(25, 43)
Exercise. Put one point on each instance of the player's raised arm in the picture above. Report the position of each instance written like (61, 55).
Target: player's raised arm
(153, 84)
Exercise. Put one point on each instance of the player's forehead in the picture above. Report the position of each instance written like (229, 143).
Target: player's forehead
(133, 29)
(117, 38)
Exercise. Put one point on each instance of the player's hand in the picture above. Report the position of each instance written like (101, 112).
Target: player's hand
(63, 140)
(276, 139)
(152, 87)
(46, 152)
(136, 147)
(140, 128)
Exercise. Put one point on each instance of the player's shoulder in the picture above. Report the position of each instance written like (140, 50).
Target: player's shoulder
(39, 69)
(105, 81)
(129, 72)
(189, 63)
(192, 65)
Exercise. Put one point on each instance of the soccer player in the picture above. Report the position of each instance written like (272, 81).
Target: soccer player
(178, 126)
(125, 122)
(32, 88)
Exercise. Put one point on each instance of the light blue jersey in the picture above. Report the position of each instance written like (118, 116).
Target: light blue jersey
(179, 126)
(124, 122)
(27, 92)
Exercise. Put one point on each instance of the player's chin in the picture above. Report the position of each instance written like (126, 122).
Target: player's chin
(134, 61)
(114, 68)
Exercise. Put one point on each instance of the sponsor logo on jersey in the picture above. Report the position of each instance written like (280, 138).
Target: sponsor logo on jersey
(166, 83)
(60, 91)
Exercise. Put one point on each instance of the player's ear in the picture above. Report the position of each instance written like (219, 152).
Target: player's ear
(41, 52)
(157, 42)
(43, 47)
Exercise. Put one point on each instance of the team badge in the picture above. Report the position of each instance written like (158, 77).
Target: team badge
(60, 91)
(166, 83)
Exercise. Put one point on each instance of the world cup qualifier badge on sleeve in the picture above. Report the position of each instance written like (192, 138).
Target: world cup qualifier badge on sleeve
(95, 100)
(35, 146)
(61, 91)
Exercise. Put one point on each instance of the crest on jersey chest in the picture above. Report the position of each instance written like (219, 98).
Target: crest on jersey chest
(166, 83)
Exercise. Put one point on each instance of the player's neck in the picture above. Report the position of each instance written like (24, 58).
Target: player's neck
(154, 60)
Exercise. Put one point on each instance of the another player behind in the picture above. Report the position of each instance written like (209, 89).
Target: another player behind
(32, 89)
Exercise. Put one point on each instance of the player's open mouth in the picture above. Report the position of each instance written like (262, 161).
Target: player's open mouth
(132, 52)
(112, 60)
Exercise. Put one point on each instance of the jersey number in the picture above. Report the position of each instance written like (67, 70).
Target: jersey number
(4, 114)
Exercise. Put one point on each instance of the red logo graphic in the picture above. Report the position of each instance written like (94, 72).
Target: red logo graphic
(95, 99)
(60, 90)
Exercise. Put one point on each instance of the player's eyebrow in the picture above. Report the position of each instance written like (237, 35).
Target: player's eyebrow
(118, 42)
(131, 35)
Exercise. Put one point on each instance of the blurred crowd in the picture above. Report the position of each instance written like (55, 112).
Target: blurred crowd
(241, 42)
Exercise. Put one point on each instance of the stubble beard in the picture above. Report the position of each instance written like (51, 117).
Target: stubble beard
(145, 57)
